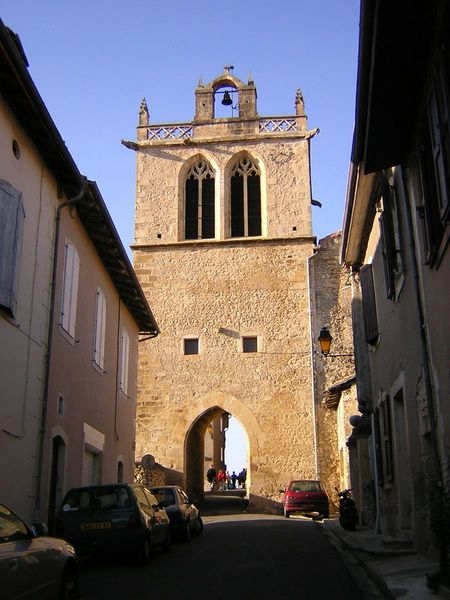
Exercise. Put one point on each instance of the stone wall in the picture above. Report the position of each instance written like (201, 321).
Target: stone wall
(222, 289)
(219, 294)
(331, 297)
(284, 169)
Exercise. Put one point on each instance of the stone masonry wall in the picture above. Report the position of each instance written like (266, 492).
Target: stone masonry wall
(218, 291)
(332, 308)
(284, 176)
(219, 294)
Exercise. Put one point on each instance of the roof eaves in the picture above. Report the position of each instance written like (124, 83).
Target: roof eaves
(23, 98)
(98, 223)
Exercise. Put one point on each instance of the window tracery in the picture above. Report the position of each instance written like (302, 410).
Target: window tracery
(199, 220)
(245, 206)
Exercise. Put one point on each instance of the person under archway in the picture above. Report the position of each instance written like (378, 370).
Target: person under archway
(211, 476)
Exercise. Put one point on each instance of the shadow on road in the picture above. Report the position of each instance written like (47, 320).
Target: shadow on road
(229, 502)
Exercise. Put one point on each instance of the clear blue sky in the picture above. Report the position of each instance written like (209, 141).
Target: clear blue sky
(235, 447)
(94, 60)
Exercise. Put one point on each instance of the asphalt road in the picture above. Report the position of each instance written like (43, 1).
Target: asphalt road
(252, 556)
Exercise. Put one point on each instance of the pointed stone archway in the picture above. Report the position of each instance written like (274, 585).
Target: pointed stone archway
(200, 415)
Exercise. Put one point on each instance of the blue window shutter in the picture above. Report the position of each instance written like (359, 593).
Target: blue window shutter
(12, 216)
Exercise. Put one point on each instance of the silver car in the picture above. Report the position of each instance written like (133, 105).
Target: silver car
(185, 517)
(33, 565)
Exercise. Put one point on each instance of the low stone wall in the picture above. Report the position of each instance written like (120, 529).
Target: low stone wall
(150, 476)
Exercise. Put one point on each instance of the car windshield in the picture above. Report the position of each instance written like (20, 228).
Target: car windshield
(165, 496)
(11, 527)
(101, 498)
(306, 486)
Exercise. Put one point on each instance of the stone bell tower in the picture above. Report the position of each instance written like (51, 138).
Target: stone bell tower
(222, 240)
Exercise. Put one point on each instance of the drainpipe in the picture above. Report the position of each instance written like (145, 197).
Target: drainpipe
(42, 430)
(116, 400)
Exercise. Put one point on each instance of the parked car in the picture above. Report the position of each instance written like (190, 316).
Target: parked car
(185, 518)
(307, 497)
(112, 519)
(33, 565)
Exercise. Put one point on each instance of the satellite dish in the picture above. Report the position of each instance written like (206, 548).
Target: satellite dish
(148, 461)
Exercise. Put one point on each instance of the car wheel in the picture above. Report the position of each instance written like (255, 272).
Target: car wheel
(69, 589)
(144, 552)
(199, 527)
(187, 531)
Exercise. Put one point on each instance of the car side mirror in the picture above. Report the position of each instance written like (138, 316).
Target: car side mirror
(40, 529)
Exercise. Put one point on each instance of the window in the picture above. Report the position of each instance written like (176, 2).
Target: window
(142, 498)
(433, 162)
(70, 289)
(369, 304)
(120, 472)
(99, 334)
(249, 344)
(124, 361)
(190, 345)
(12, 216)
(12, 528)
(94, 443)
(92, 467)
(199, 219)
(390, 238)
(245, 199)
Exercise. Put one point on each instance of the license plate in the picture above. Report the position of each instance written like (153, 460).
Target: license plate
(96, 526)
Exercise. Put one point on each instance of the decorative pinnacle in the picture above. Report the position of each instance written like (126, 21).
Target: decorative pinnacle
(144, 115)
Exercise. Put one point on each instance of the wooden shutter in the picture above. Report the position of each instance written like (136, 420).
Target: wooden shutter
(12, 216)
(100, 329)
(191, 210)
(369, 304)
(237, 206)
(208, 216)
(70, 289)
(254, 204)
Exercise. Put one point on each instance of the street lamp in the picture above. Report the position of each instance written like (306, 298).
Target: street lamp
(325, 340)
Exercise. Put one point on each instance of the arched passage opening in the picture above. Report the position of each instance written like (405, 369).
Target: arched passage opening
(208, 443)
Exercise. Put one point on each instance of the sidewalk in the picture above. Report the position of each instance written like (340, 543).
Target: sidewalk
(397, 572)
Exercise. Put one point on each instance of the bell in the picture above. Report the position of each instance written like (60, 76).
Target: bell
(227, 99)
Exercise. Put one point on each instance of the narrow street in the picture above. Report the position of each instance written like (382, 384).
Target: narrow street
(255, 556)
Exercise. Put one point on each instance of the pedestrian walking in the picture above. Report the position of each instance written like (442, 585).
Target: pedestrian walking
(211, 476)
(221, 478)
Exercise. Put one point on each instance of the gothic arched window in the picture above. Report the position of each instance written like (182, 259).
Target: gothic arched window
(199, 218)
(245, 199)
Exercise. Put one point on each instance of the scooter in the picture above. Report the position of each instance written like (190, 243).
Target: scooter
(348, 513)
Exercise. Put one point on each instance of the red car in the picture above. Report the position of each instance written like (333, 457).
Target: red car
(307, 497)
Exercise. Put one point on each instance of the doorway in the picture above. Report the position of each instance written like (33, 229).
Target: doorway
(213, 438)
(56, 479)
